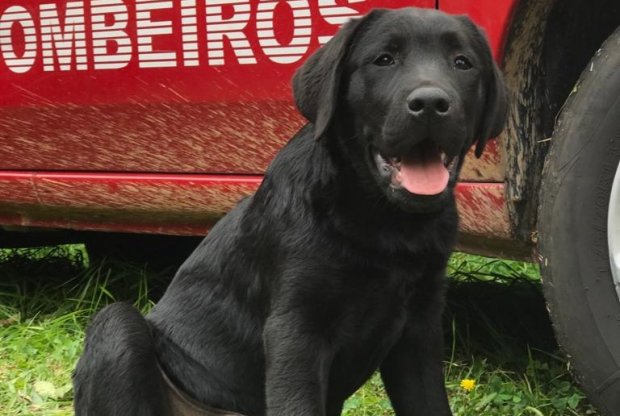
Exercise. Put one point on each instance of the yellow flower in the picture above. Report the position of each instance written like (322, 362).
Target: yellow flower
(468, 384)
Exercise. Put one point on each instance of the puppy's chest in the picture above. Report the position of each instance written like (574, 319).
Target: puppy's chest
(375, 316)
(368, 330)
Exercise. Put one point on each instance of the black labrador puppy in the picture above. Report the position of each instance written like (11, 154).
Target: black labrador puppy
(334, 268)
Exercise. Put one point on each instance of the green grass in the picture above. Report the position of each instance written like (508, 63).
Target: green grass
(465, 267)
(47, 297)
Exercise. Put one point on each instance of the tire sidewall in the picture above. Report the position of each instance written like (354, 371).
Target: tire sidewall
(572, 227)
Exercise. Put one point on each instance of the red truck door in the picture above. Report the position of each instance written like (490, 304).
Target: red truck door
(166, 86)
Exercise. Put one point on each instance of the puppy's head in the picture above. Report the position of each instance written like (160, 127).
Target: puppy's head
(416, 88)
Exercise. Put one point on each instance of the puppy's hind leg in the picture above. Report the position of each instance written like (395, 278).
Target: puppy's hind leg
(117, 373)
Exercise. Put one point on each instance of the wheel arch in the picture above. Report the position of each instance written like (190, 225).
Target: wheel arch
(548, 45)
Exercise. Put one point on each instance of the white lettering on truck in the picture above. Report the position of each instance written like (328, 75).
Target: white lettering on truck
(302, 28)
(232, 29)
(189, 28)
(111, 43)
(111, 34)
(147, 29)
(63, 43)
(17, 15)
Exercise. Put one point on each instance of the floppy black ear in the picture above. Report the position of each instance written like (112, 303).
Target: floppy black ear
(495, 109)
(316, 84)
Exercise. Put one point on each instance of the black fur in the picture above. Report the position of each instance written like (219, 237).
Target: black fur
(327, 273)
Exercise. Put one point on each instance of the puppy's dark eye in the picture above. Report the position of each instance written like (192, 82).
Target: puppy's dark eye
(461, 62)
(385, 59)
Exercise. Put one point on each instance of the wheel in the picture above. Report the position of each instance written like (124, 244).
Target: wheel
(579, 228)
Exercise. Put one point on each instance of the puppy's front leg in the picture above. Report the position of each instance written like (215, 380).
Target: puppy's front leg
(413, 371)
(297, 367)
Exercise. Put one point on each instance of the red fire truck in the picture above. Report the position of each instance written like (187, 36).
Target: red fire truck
(156, 116)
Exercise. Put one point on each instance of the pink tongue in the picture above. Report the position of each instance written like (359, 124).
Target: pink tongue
(424, 176)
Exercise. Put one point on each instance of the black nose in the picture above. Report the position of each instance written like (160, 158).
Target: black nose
(428, 102)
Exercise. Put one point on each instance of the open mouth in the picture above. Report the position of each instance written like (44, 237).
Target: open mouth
(425, 171)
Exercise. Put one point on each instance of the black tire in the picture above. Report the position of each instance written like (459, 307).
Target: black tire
(572, 227)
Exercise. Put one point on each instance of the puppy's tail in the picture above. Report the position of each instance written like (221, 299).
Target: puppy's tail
(117, 373)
